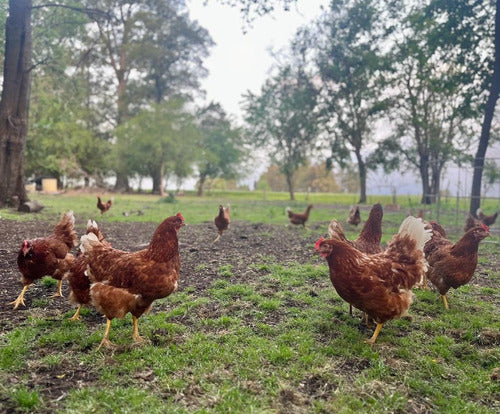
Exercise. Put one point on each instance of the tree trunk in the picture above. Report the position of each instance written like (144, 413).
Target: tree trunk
(475, 198)
(14, 105)
(424, 176)
(122, 184)
(158, 182)
(435, 184)
(362, 177)
(289, 182)
(201, 183)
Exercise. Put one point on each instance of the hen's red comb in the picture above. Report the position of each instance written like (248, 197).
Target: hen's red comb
(180, 216)
(485, 227)
(316, 245)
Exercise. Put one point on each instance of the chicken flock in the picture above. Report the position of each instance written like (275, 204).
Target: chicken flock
(376, 280)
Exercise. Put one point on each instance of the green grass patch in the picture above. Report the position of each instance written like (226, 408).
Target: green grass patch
(282, 342)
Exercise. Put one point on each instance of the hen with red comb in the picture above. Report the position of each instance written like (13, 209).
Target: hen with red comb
(124, 282)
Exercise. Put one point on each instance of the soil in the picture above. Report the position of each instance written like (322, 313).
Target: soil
(242, 245)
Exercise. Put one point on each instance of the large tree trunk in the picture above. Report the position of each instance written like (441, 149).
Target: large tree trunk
(14, 106)
(475, 198)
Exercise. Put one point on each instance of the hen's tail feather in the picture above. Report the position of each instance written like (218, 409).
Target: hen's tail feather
(335, 230)
(87, 241)
(416, 229)
(65, 229)
(92, 224)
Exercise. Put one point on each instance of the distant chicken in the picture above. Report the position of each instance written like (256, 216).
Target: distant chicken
(354, 216)
(453, 265)
(124, 282)
(470, 222)
(47, 256)
(222, 221)
(487, 220)
(299, 218)
(103, 206)
(379, 284)
(79, 283)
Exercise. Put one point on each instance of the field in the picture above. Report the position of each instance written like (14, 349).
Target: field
(255, 327)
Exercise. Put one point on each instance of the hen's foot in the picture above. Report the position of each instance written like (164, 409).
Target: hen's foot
(76, 316)
(106, 343)
(20, 299)
(59, 290)
(372, 340)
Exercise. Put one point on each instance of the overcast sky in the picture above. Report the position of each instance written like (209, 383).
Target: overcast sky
(240, 61)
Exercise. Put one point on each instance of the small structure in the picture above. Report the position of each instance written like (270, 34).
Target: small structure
(49, 185)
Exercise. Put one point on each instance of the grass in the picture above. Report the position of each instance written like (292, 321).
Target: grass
(283, 342)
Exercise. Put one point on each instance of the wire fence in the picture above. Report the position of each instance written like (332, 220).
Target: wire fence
(455, 194)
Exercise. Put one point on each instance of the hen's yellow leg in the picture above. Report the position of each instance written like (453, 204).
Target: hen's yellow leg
(217, 238)
(105, 340)
(135, 335)
(76, 316)
(20, 298)
(372, 340)
(59, 290)
(445, 301)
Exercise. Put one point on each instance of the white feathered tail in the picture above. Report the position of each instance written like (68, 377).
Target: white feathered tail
(416, 229)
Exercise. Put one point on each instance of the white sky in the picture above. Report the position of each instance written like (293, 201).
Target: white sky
(240, 61)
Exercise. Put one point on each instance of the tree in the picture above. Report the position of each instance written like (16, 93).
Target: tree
(350, 62)
(283, 118)
(433, 110)
(156, 140)
(14, 104)
(169, 53)
(221, 146)
(154, 52)
(494, 90)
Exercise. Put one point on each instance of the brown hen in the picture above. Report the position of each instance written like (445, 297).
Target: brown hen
(124, 282)
(354, 216)
(103, 206)
(379, 284)
(453, 265)
(487, 220)
(47, 256)
(222, 221)
(299, 219)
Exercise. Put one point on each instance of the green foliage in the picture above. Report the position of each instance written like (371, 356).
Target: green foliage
(283, 117)
(221, 145)
(158, 141)
(351, 59)
(437, 109)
